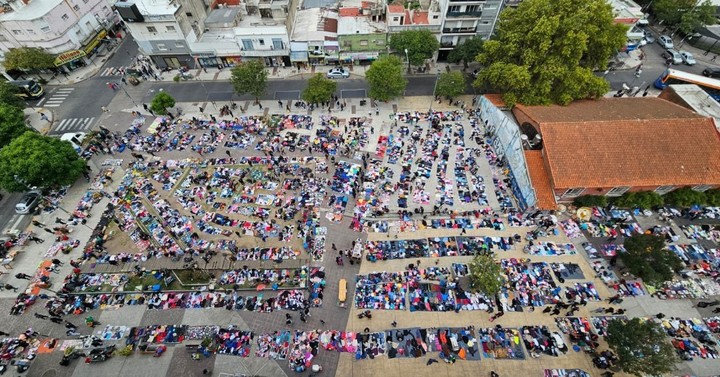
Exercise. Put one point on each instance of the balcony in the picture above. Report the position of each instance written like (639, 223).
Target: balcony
(447, 44)
(459, 30)
(399, 28)
(464, 14)
(265, 53)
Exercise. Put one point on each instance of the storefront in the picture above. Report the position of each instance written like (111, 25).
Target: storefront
(91, 47)
(174, 61)
(208, 60)
(299, 54)
(360, 58)
(231, 61)
(70, 60)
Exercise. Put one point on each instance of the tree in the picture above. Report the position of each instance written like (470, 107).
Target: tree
(8, 95)
(28, 59)
(685, 197)
(647, 258)
(687, 15)
(37, 160)
(161, 103)
(450, 84)
(250, 78)
(319, 89)
(641, 347)
(467, 51)
(420, 44)
(12, 123)
(485, 275)
(385, 78)
(639, 199)
(546, 50)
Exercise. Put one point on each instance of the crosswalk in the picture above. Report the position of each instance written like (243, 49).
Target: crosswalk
(112, 71)
(74, 125)
(58, 97)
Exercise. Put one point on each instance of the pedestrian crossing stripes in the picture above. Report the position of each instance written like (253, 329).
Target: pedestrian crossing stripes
(112, 71)
(58, 97)
(74, 124)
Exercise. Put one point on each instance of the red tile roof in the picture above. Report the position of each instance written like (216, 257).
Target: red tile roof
(349, 12)
(368, 4)
(420, 18)
(396, 8)
(330, 25)
(407, 20)
(632, 152)
(540, 181)
(496, 99)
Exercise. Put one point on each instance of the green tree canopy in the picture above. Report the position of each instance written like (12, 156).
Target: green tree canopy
(647, 258)
(161, 102)
(485, 275)
(250, 78)
(36, 160)
(421, 45)
(546, 50)
(385, 77)
(450, 84)
(688, 15)
(641, 347)
(12, 123)
(685, 197)
(467, 51)
(28, 59)
(8, 95)
(319, 89)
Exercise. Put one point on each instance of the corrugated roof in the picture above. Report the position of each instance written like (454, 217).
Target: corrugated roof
(540, 180)
(349, 12)
(395, 8)
(632, 152)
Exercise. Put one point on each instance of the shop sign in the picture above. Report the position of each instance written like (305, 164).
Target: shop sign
(67, 57)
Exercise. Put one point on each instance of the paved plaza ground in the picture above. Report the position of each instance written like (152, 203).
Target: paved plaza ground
(140, 204)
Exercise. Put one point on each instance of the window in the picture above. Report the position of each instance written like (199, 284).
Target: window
(161, 47)
(17, 32)
(380, 42)
(76, 7)
(277, 44)
(453, 8)
(435, 17)
(152, 29)
(65, 17)
(662, 190)
(573, 192)
(617, 191)
(346, 44)
(45, 29)
(247, 45)
(30, 31)
(170, 28)
(261, 42)
(702, 188)
(364, 42)
(88, 26)
(179, 45)
(188, 14)
(471, 8)
(396, 19)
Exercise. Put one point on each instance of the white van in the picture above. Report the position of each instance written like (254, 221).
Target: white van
(75, 139)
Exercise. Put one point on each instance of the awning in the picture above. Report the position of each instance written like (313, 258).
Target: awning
(298, 56)
(69, 56)
(298, 46)
(332, 45)
(96, 41)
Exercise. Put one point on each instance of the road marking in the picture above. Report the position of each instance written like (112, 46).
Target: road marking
(19, 218)
(75, 124)
(41, 101)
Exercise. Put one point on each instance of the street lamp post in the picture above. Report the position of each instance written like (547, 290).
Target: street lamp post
(407, 57)
(437, 76)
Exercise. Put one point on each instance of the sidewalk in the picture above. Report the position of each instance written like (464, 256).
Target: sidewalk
(33, 118)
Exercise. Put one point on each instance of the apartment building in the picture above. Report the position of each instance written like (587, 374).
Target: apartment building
(72, 29)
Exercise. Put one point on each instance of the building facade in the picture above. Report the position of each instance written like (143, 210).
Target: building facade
(198, 34)
(362, 33)
(72, 29)
(464, 19)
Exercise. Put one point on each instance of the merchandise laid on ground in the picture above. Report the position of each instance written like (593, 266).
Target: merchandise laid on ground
(337, 240)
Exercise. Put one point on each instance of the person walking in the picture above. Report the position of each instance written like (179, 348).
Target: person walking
(9, 287)
(44, 117)
(21, 275)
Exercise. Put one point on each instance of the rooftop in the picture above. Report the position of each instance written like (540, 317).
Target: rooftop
(315, 24)
(359, 25)
(32, 11)
(256, 21)
(540, 181)
(308, 4)
(632, 152)
(222, 16)
(155, 7)
(396, 8)
(694, 98)
(608, 109)
(349, 12)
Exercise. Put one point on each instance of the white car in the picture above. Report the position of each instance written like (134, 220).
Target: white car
(688, 58)
(75, 139)
(338, 73)
(666, 42)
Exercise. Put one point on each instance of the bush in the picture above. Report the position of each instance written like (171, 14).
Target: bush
(176, 78)
(646, 257)
(590, 201)
(642, 200)
(685, 197)
(713, 197)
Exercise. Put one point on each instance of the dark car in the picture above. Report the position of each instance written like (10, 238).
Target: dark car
(711, 72)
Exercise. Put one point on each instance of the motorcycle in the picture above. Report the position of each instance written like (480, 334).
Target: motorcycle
(99, 354)
(366, 314)
(706, 304)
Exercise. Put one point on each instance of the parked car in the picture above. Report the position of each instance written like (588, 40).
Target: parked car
(649, 38)
(75, 139)
(688, 58)
(28, 202)
(338, 73)
(666, 42)
(711, 72)
(673, 56)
